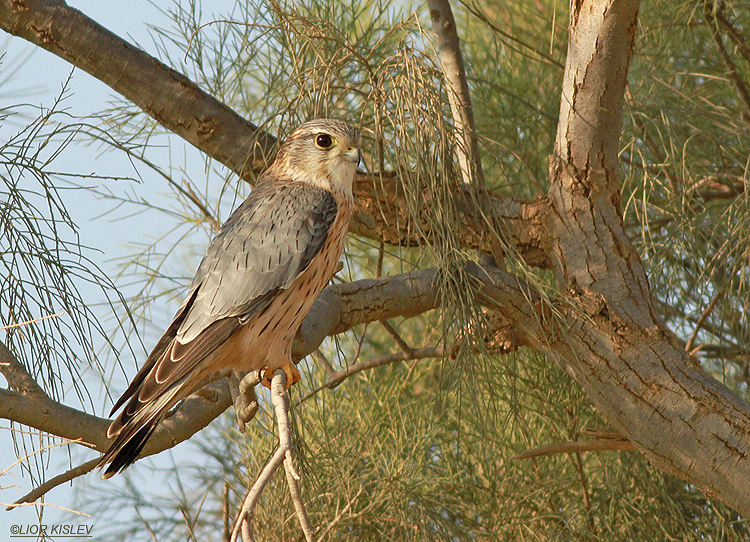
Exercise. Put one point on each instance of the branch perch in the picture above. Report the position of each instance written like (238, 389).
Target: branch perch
(283, 454)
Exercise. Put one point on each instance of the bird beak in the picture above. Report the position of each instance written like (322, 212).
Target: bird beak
(353, 155)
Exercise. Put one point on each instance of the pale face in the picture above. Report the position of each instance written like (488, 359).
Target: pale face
(323, 152)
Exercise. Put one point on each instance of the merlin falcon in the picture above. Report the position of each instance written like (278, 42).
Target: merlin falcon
(257, 281)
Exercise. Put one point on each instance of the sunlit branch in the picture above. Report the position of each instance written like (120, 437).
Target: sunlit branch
(52, 483)
(283, 454)
(16, 374)
(454, 71)
(609, 441)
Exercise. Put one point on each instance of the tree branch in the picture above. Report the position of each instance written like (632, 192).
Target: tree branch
(577, 446)
(16, 374)
(337, 309)
(734, 74)
(52, 483)
(283, 454)
(182, 107)
(632, 367)
(452, 64)
(165, 94)
(706, 312)
(733, 32)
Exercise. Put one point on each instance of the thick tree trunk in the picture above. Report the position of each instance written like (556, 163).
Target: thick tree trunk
(633, 368)
(605, 331)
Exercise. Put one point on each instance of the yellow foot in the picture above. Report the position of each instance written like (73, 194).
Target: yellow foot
(292, 375)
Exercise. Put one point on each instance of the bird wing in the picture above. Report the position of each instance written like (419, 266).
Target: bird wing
(261, 249)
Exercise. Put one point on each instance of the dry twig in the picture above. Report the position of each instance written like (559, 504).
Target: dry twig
(604, 440)
(341, 514)
(34, 321)
(339, 376)
(52, 483)
(283, 454)
(706, 313)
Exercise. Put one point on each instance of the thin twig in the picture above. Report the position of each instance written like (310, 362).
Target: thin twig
(251, 498)
(652, 145)
(340, 514)
(339, 376)
(578, 465)
(405, 348)
(53, 505)
(318, 355)
(52, 483)
(248, 504)
(192, 196)
(734, 34)
(379, 264)
(511, 39)
(732, 71)
(706, 312)
(34, 321)
(36, 451)
(280, 401)
(226, 532)
(578, 446)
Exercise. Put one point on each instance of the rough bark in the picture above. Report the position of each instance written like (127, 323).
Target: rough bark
(605, 331)
(633, 368)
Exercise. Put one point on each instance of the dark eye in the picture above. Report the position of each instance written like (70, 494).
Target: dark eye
(324, 141)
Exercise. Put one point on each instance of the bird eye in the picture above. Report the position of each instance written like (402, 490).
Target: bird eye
(323, 141)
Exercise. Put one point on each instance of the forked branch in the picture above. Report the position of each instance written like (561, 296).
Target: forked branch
(283, 454)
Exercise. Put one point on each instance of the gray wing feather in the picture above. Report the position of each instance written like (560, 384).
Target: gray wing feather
(264, 245)
(262, 248)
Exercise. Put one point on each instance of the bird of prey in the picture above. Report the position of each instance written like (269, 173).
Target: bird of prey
(254, 286)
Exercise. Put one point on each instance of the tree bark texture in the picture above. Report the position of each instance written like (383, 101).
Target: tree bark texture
(604, 329)
(634, 369)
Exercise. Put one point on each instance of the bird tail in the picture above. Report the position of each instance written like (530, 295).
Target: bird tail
(133, 430)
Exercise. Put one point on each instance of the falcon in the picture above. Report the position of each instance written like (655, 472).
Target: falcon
(257, 281)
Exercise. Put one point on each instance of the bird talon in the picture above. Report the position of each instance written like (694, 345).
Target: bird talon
(292, 375)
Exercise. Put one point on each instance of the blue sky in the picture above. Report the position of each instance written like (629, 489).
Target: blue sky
(38, 82)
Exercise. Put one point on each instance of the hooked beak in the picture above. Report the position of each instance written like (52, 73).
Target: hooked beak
(353, 155)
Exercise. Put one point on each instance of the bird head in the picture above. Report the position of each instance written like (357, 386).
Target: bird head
(323, 152)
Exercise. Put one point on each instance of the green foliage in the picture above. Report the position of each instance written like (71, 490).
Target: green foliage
(44, 268)
(685, 154)
(424, 450)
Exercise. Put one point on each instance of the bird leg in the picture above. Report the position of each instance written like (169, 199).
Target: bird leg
(242, 387)
(292, 375)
